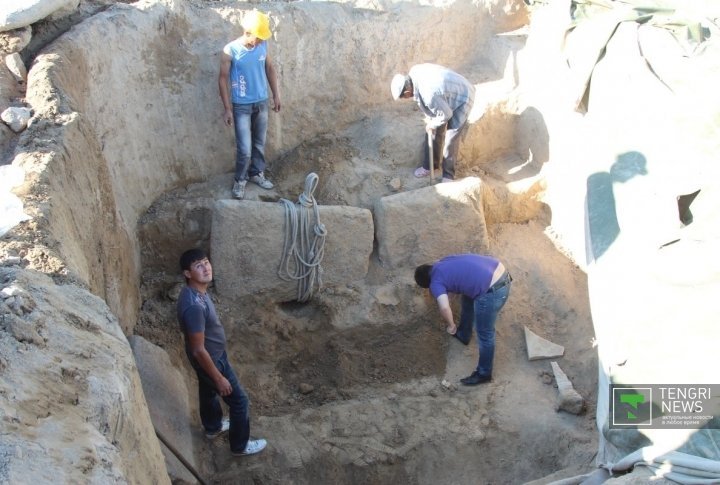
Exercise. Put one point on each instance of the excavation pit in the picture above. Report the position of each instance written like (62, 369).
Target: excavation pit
(364, 371)
(359, 385)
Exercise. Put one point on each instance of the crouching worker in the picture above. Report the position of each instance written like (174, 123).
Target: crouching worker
(205, 348)
(484, 284)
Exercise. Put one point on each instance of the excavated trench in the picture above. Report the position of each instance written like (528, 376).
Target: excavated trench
(360, 384)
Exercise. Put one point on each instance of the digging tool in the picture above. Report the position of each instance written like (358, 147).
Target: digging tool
(432, 134)
(432, 156)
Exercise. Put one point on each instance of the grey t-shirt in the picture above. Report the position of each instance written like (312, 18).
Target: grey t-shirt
(196, 313)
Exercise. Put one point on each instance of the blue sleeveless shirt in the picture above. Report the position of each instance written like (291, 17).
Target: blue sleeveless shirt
(248, 81)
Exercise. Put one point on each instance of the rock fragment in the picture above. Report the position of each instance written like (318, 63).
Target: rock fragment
(305, 388)
(16, 118)
(540, 348)
(15, 40)
(569, 400)
(17, 67)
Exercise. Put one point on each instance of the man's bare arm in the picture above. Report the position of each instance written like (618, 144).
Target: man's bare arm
(201, 356)
(446, 312)
(223, 82)
(272, 80)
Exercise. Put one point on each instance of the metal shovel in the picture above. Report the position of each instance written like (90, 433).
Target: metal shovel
(432, 156)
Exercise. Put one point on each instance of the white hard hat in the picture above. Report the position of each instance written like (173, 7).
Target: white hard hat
(398, 85)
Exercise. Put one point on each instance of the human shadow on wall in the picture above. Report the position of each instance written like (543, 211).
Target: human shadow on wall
(603, 226)
(533, 142)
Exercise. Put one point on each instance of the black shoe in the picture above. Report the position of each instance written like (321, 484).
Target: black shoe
(474, 379)
(464, 342)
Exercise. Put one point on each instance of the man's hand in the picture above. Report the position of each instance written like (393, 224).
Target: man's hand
(201, 356)
(276, 103)
(223, 386)
(228, 117)
(451, 329)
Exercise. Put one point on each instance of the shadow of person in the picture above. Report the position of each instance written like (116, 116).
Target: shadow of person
(603, 227)
(533, 142)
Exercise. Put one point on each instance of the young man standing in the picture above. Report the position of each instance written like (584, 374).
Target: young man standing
(205, 348)
(245, 72)
(484, 284)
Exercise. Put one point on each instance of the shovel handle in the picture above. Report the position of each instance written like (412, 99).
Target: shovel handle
(432, 156)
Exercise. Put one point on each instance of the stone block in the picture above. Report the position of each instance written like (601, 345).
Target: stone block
(247, 246)
(167, 399)
(424, 225)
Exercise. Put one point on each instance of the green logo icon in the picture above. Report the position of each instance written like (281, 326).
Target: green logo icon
(631, 406)
(634, 400)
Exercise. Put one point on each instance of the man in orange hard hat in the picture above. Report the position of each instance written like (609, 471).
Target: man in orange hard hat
(245, 73)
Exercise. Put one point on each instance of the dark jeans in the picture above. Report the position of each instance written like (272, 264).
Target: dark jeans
(446, 142)
(211, 412)
(483, 311)
(251, 122)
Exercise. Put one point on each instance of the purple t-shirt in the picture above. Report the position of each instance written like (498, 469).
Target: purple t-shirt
(196, 313)
(464, 274)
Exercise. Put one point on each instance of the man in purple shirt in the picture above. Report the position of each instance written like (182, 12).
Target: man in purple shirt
(205, 348)
(484, 285)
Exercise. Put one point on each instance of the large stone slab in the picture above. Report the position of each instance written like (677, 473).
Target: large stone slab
(247, 245)
(423, 225)
(167, 399)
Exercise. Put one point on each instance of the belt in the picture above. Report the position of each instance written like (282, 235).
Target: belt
(504, 280)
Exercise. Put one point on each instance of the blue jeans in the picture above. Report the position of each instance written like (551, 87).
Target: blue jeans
(483, 310)
(251, 122)
(447, 140)
(211, 412)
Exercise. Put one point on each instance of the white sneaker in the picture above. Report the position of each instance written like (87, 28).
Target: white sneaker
(252, 447)
(224, 426)
(238, 190)
(446, 180)
(261, 181)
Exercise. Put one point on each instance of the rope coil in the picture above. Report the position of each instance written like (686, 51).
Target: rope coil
(304, 245)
